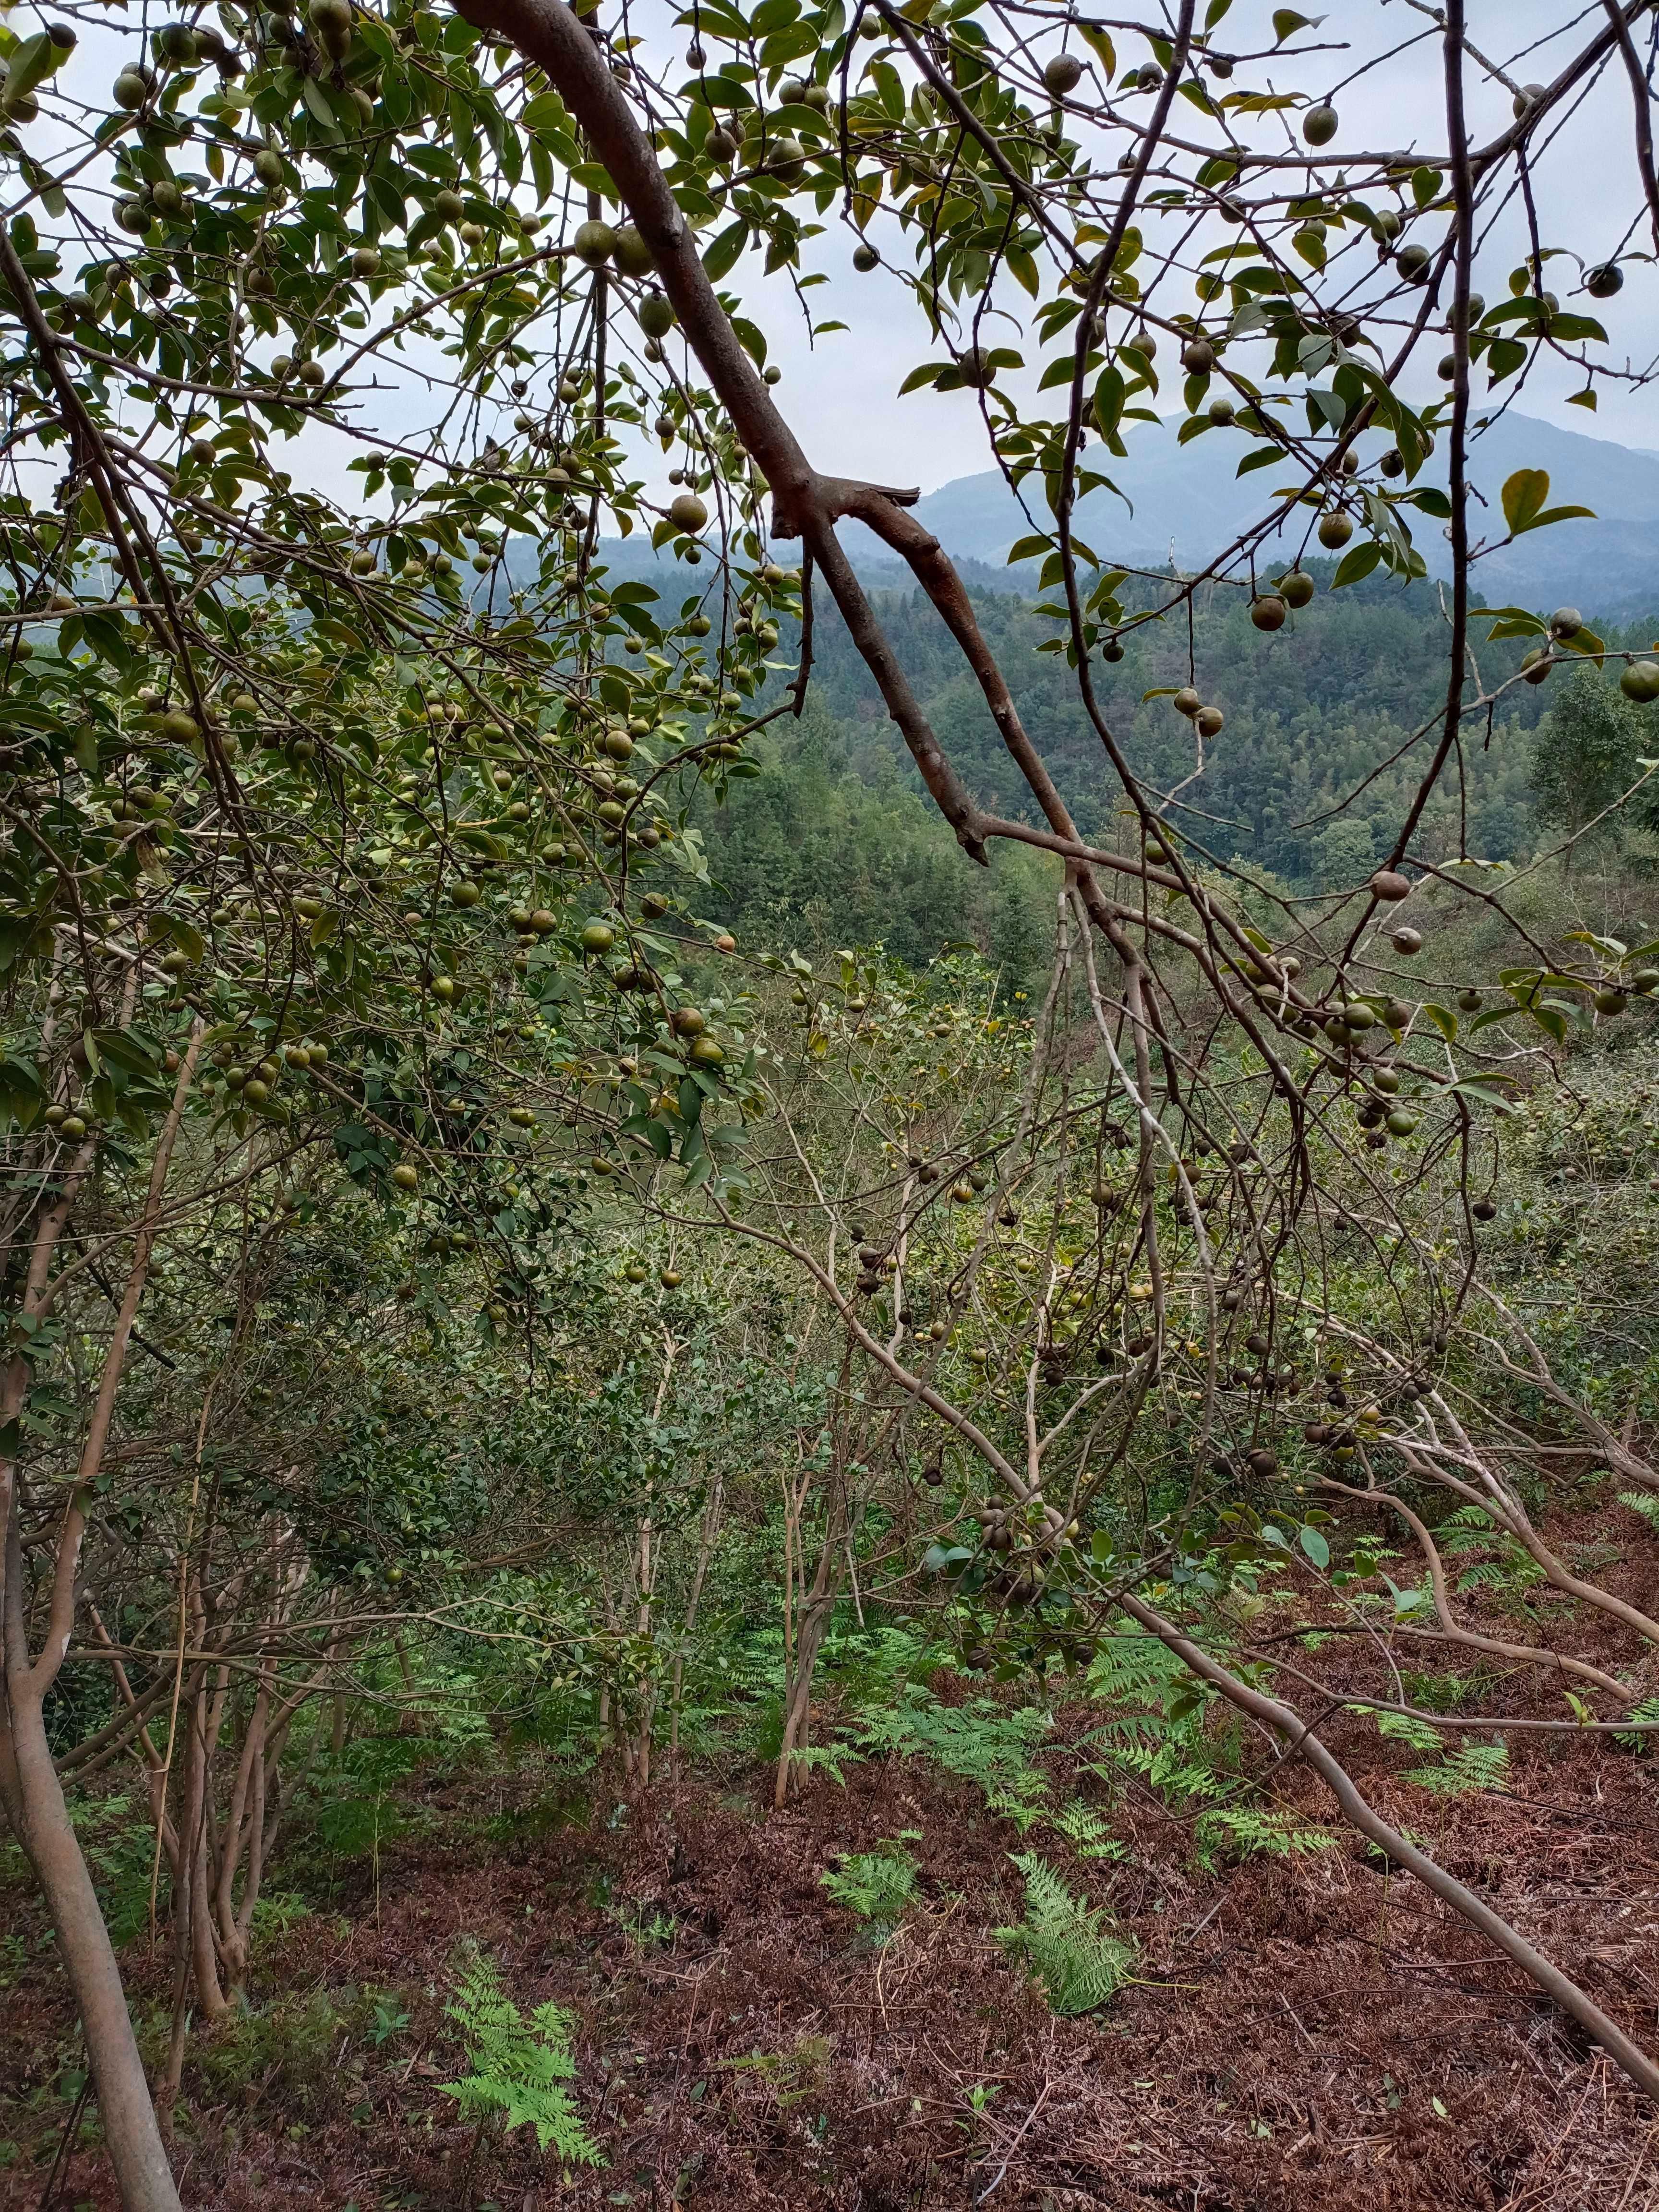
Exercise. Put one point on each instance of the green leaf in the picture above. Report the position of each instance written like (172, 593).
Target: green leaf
(1357, 563)
(1524, 495)
(1486, 1091)
(726, 250)
(1444, 1020)
(1286, 23)
(1315, 1544)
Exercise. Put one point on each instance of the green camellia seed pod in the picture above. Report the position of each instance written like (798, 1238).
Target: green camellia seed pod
(593, 243)
(707, 1052)
(1401, 1123)
(598, 936)
(1602, 282)
(866, 258)
(1640, 682)
(1336, 529)
(1319, 124)
(180, 728)
(132, 90)
(366, 261)
(656, 317)
(1297, 589)
(1535, 664)
(632, 255)
(268, 168)
(175, 44)
(1062, 74)
(1611, 1002)
(688, 514)
(448, 206)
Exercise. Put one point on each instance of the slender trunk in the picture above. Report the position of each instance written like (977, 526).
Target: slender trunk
(810, 1628)
(29, 1787)
(711, 1524)
(39, 1818)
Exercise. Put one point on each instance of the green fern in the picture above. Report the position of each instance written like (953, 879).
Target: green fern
(1065, 1943)
(1643, 1501)
(1474, 1766)
(1639, 1739)
(1087, 1834)
(874, 1886)
(518, 2067)
(1240, 1831)
(980, 1741)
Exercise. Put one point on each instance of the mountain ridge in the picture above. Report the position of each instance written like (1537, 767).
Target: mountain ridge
(1180, 504)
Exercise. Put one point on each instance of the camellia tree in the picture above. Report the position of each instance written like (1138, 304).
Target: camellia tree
(347, 789)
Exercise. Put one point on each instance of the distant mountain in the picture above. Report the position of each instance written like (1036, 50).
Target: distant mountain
(1185, 502)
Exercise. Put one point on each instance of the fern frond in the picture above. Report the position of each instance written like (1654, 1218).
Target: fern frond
(1087, 1834)
(518, 2067)
(876, 1885)
(1066, 1942)
(1474, 1766)
(1238, 1831)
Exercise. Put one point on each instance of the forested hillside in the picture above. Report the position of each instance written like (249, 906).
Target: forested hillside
(1326, 723)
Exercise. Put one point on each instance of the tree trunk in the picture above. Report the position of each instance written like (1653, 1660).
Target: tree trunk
(40, 1819)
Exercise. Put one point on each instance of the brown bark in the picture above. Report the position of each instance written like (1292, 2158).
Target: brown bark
(29, 1787)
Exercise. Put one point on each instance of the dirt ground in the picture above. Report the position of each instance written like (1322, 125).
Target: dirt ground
(1307, 2033)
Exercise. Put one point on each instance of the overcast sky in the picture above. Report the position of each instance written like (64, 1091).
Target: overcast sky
(841, 393)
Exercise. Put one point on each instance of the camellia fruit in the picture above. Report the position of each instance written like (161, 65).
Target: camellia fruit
(594, 243)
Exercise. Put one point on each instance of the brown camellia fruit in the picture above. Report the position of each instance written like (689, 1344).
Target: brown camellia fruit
(1389, 885)
(1267, 611)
